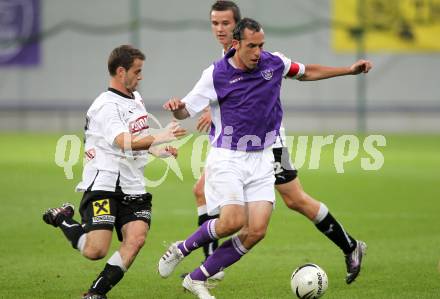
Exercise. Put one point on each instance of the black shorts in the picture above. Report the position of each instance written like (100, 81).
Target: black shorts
(284, 171)
(105, 210)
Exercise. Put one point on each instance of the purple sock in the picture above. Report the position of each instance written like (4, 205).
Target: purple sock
(204, 234)
(227, 254)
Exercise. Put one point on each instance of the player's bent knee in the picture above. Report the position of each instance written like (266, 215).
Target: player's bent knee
(257, 235)
(253, 237)
(94, 253)
(296, 201)
(292, 204)
(137, 243)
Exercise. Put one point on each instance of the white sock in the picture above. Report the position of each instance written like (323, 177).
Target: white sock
(81, 243)
(322, 213)
(202, 210)
(211, 229)
(116, 260)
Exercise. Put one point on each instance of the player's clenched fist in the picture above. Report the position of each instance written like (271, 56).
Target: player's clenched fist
(361, 66)
(174, 104)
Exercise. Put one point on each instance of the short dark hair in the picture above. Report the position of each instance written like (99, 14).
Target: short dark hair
(244, 23)
(123, 56)
(223, 5)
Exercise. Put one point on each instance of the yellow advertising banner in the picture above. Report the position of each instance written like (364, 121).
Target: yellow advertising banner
(388, 25)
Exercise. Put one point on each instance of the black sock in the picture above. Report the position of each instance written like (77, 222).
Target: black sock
(71, 229)
(335, 232)
(208, 249)
(107, 279)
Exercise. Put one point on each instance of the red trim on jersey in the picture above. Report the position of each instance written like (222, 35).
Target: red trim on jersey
(294, 70)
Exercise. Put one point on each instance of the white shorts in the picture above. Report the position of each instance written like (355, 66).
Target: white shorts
(237, 177)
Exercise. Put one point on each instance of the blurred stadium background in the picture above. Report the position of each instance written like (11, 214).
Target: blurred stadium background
(53, 58)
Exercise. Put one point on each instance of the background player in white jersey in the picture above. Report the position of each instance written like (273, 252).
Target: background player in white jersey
(117, 139)
(224, 16)
(239, 169)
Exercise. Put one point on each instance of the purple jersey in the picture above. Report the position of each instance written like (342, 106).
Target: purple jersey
(245, 105)
(250, 108)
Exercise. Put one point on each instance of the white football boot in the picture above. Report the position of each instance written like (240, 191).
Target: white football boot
(169, 261)
(197, 287)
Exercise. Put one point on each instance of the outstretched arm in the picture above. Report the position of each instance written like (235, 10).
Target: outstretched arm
(200, 97)
(127, 141)
(318, 72)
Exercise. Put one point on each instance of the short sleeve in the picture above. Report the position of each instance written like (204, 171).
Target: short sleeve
(110, 119)
(202, 94)
(292, 69)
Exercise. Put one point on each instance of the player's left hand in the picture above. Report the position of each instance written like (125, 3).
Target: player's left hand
(361, 66)
(163, 152)
(172, 151)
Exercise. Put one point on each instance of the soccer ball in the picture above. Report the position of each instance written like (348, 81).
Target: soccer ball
(309, 281)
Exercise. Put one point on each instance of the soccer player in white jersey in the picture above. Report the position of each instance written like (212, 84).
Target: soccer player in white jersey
(224, 16)
(239, 168)
(117, 140)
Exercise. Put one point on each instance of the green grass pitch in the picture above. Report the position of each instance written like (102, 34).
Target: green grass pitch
(396, 210)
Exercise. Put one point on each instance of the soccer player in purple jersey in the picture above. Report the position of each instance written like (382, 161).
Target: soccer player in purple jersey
(243, 92)
(224, 16)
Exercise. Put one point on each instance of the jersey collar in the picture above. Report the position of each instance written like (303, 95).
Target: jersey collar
(120, 93)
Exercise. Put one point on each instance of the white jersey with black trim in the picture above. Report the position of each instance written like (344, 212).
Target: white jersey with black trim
(107, 165)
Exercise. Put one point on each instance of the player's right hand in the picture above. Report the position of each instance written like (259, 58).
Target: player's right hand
(174, 104)
(361, 66)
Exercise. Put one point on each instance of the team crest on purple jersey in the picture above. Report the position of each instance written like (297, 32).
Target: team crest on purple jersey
(249, 104)
(267, 74)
